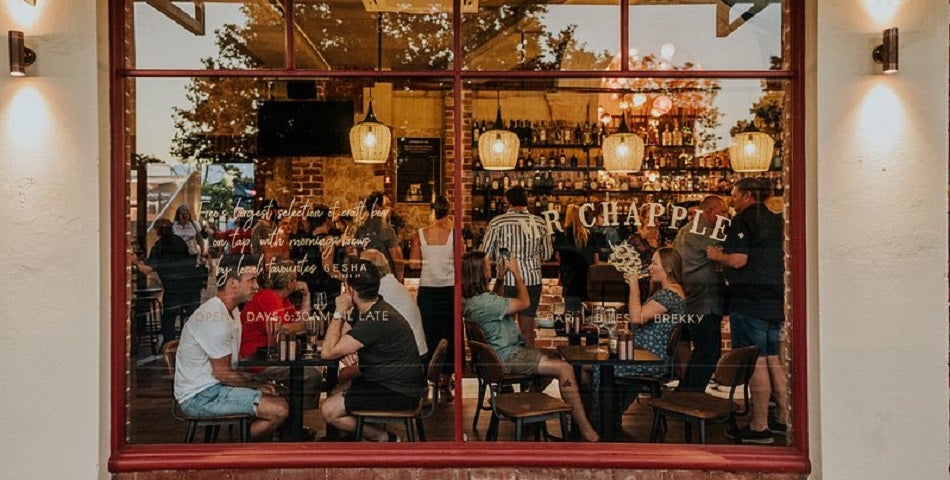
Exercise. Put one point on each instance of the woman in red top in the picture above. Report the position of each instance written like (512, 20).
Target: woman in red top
(271, 304)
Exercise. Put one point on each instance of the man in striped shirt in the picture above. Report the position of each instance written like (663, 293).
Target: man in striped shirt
(526, 236)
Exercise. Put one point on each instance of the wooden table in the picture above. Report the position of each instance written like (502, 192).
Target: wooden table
(578, 355)
(294, 426)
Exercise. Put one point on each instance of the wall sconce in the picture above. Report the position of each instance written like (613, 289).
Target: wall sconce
(886, 52)
(20, 56)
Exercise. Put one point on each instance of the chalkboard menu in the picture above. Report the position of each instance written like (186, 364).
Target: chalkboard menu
(419, 169)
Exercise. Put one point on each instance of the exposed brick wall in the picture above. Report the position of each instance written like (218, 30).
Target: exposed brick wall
(449, 153)
(453, 474)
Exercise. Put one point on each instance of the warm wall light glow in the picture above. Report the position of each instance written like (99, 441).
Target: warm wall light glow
(880, 123)
(24, 14)
(882, 11)
(26, 122)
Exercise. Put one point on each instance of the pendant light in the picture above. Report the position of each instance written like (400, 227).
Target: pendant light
(751, 150)
(498, 147)
(622, 150)
(370, 139)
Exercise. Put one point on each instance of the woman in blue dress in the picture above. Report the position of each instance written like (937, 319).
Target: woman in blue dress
(654, 320)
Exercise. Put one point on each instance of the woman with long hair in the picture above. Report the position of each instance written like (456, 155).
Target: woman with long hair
(433, 251)
(495, 314)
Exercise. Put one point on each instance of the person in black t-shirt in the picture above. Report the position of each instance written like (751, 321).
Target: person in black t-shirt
(753, 261)
(382, 344)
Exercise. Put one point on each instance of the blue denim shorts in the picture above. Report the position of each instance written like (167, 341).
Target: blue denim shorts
(748, 331)
(222, 400)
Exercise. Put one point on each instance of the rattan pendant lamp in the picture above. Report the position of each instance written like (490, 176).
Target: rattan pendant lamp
(370, 140)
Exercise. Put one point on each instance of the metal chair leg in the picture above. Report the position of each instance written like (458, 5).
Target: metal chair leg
(481, 401)
(565, 434)
(410, 431)
(245, 430)
(190, 434)
(518, 426)
(421, 429)
(359, 429)
(702, 431)
(655, 435)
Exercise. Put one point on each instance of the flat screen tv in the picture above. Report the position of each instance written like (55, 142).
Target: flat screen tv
(304, 128)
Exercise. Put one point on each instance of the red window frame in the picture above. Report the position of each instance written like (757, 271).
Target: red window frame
(134, 457)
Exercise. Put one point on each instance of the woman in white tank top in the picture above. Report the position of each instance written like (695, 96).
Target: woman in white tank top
(433, 252)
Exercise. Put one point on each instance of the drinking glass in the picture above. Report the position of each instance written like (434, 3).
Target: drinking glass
(598, 318)
(610, 321)
(272, 326)
(320, 301)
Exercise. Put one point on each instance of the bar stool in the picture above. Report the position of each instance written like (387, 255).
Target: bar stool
(146, 318)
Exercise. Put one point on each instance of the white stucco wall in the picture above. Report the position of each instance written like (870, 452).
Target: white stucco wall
(878, 312)
(882, 242)
(49, 246)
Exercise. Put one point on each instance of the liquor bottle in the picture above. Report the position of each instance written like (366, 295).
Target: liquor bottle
(588, 136)
(578, 135)
(569, 182)
(593, 184)
(586, 184)
(528, 161)
(477, 183)
(549, 181)
(476, 131)
(538, 180)
(562, 159)
(519, 165)
(494, 184)
(574, 160)
(537, 205)
(677, 133)
(506, 182)
(542, 134)
(552, 160)
(687, 135)
(667, 137)
(478, 163)
(595, 134)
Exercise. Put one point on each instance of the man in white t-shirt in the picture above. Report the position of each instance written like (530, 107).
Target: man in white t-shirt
(206, 383)
(397, 295)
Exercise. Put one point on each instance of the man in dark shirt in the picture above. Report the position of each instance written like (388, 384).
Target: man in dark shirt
(753, 258)
(382, 344)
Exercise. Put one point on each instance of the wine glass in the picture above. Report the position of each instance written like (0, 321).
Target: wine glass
(320, 301)
(598, 318)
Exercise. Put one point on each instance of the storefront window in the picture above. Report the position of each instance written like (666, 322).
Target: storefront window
(263, 157)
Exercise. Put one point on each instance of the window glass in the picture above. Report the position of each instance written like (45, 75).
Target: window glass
(540, 36)
(713, 36)
(220, 35)
(389, 35)
(229, 150)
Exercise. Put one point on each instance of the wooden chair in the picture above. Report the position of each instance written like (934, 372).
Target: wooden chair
(654, 384)
(474, 332)
(523, 408)
(418, 414)
(734, 369)
(212, 424)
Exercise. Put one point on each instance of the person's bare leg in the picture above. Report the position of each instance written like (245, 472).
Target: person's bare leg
(526, 325)
(271, 413)
(334, 413)
(779, 384)
(761, 389)
(567, 384)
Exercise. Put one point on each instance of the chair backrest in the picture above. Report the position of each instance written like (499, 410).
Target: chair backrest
(474, 332)
(168, 355)
(488, 364)
(606, 284)
(735, 367)
(434, 372)
(679, 351)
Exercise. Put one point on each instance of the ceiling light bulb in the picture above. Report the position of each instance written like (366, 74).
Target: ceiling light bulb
(750, 147)
(370, 139)
(498, 146)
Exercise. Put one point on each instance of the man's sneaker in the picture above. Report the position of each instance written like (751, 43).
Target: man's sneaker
(747, 435)
(778, 428)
